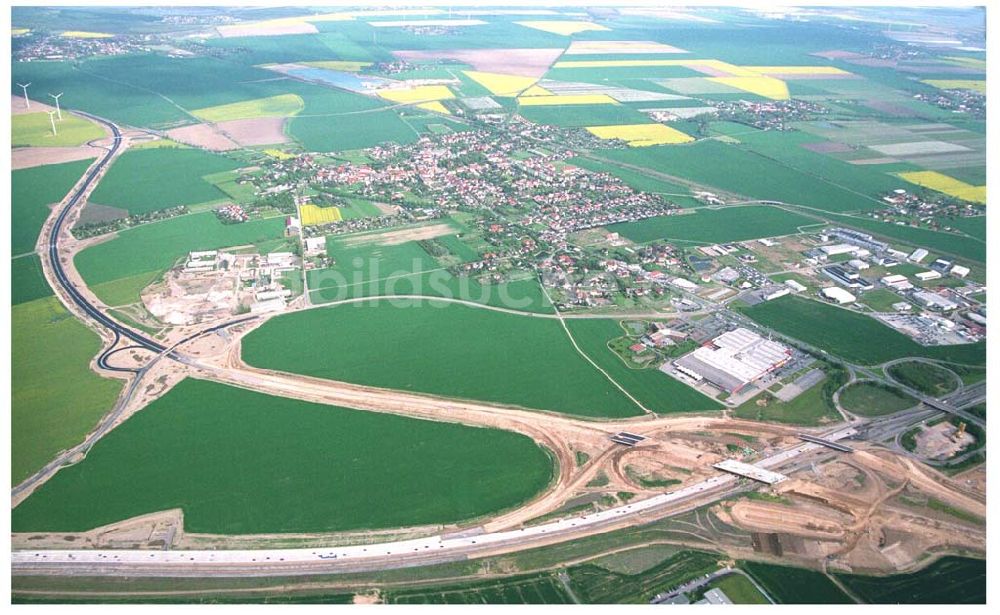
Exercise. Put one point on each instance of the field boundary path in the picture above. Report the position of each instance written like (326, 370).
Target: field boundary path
(558, 316)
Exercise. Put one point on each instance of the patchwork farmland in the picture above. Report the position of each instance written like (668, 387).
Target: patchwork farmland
(495, 304)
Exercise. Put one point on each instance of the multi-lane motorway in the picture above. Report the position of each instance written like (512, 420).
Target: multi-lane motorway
(420, 551)
(57, 268)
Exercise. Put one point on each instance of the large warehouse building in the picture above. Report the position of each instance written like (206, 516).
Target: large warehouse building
(734, 359)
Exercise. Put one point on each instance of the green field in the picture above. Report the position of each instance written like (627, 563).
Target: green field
(737, 170)
(524, 294)
(281, 105)
(871, 399)
(440, 348)
(656, 390)
(151, 179)
(787, 149)
(927, 378)
(640, 181)
(35, 130)
(239, 462)
(787, 585)
(715, 226)
(949, 580)
(106, 97)
(813, 406)
(117, 270)
(852, 336)
(337, 121)
(595, 585)
(739, 589)
(541, 588)
(949, 243)
(55, 398)
(369, 270)
(579, 116)
(881, 299)
(31, 190)
(26, 280)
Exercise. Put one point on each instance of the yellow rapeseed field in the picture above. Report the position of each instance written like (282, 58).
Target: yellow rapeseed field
(768, 87)
(965, 61)
(500, 83)
(282, 105)
(277, 153)
(947, 185)
(797, 70)
(958, 84)
(641, 135)
(81, 34)
(418, 94)
(569, 99)
(536, 90)
(566, 28)
(312, 215)
(434, 106)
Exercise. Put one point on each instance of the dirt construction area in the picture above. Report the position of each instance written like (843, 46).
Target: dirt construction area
(392, 238)
(870, 511)
(233, 134)
(27, 157)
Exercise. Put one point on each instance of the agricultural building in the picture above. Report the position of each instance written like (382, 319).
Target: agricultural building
(292, 225)
(934, 301)
(734, 359)
(918, 255)
(838, 295)
(926, 276)
(315, 245)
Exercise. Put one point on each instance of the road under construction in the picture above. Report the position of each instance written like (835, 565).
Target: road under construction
(505, 533)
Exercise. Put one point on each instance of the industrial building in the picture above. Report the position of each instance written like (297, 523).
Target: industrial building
(734, 359)
(715, 596)
(926, 276)
(775, 294)
(897, 281)
(918, 255)
(844, 277)
(838, 249)
(934, 301)
(863, 240)
(838, 295)
(795, 286)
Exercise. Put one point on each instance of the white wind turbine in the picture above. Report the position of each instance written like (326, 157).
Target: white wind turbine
(52, 120)
(58, 111)
(24, 86)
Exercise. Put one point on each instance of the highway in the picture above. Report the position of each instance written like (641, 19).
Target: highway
(420, 551)
(57, 268)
